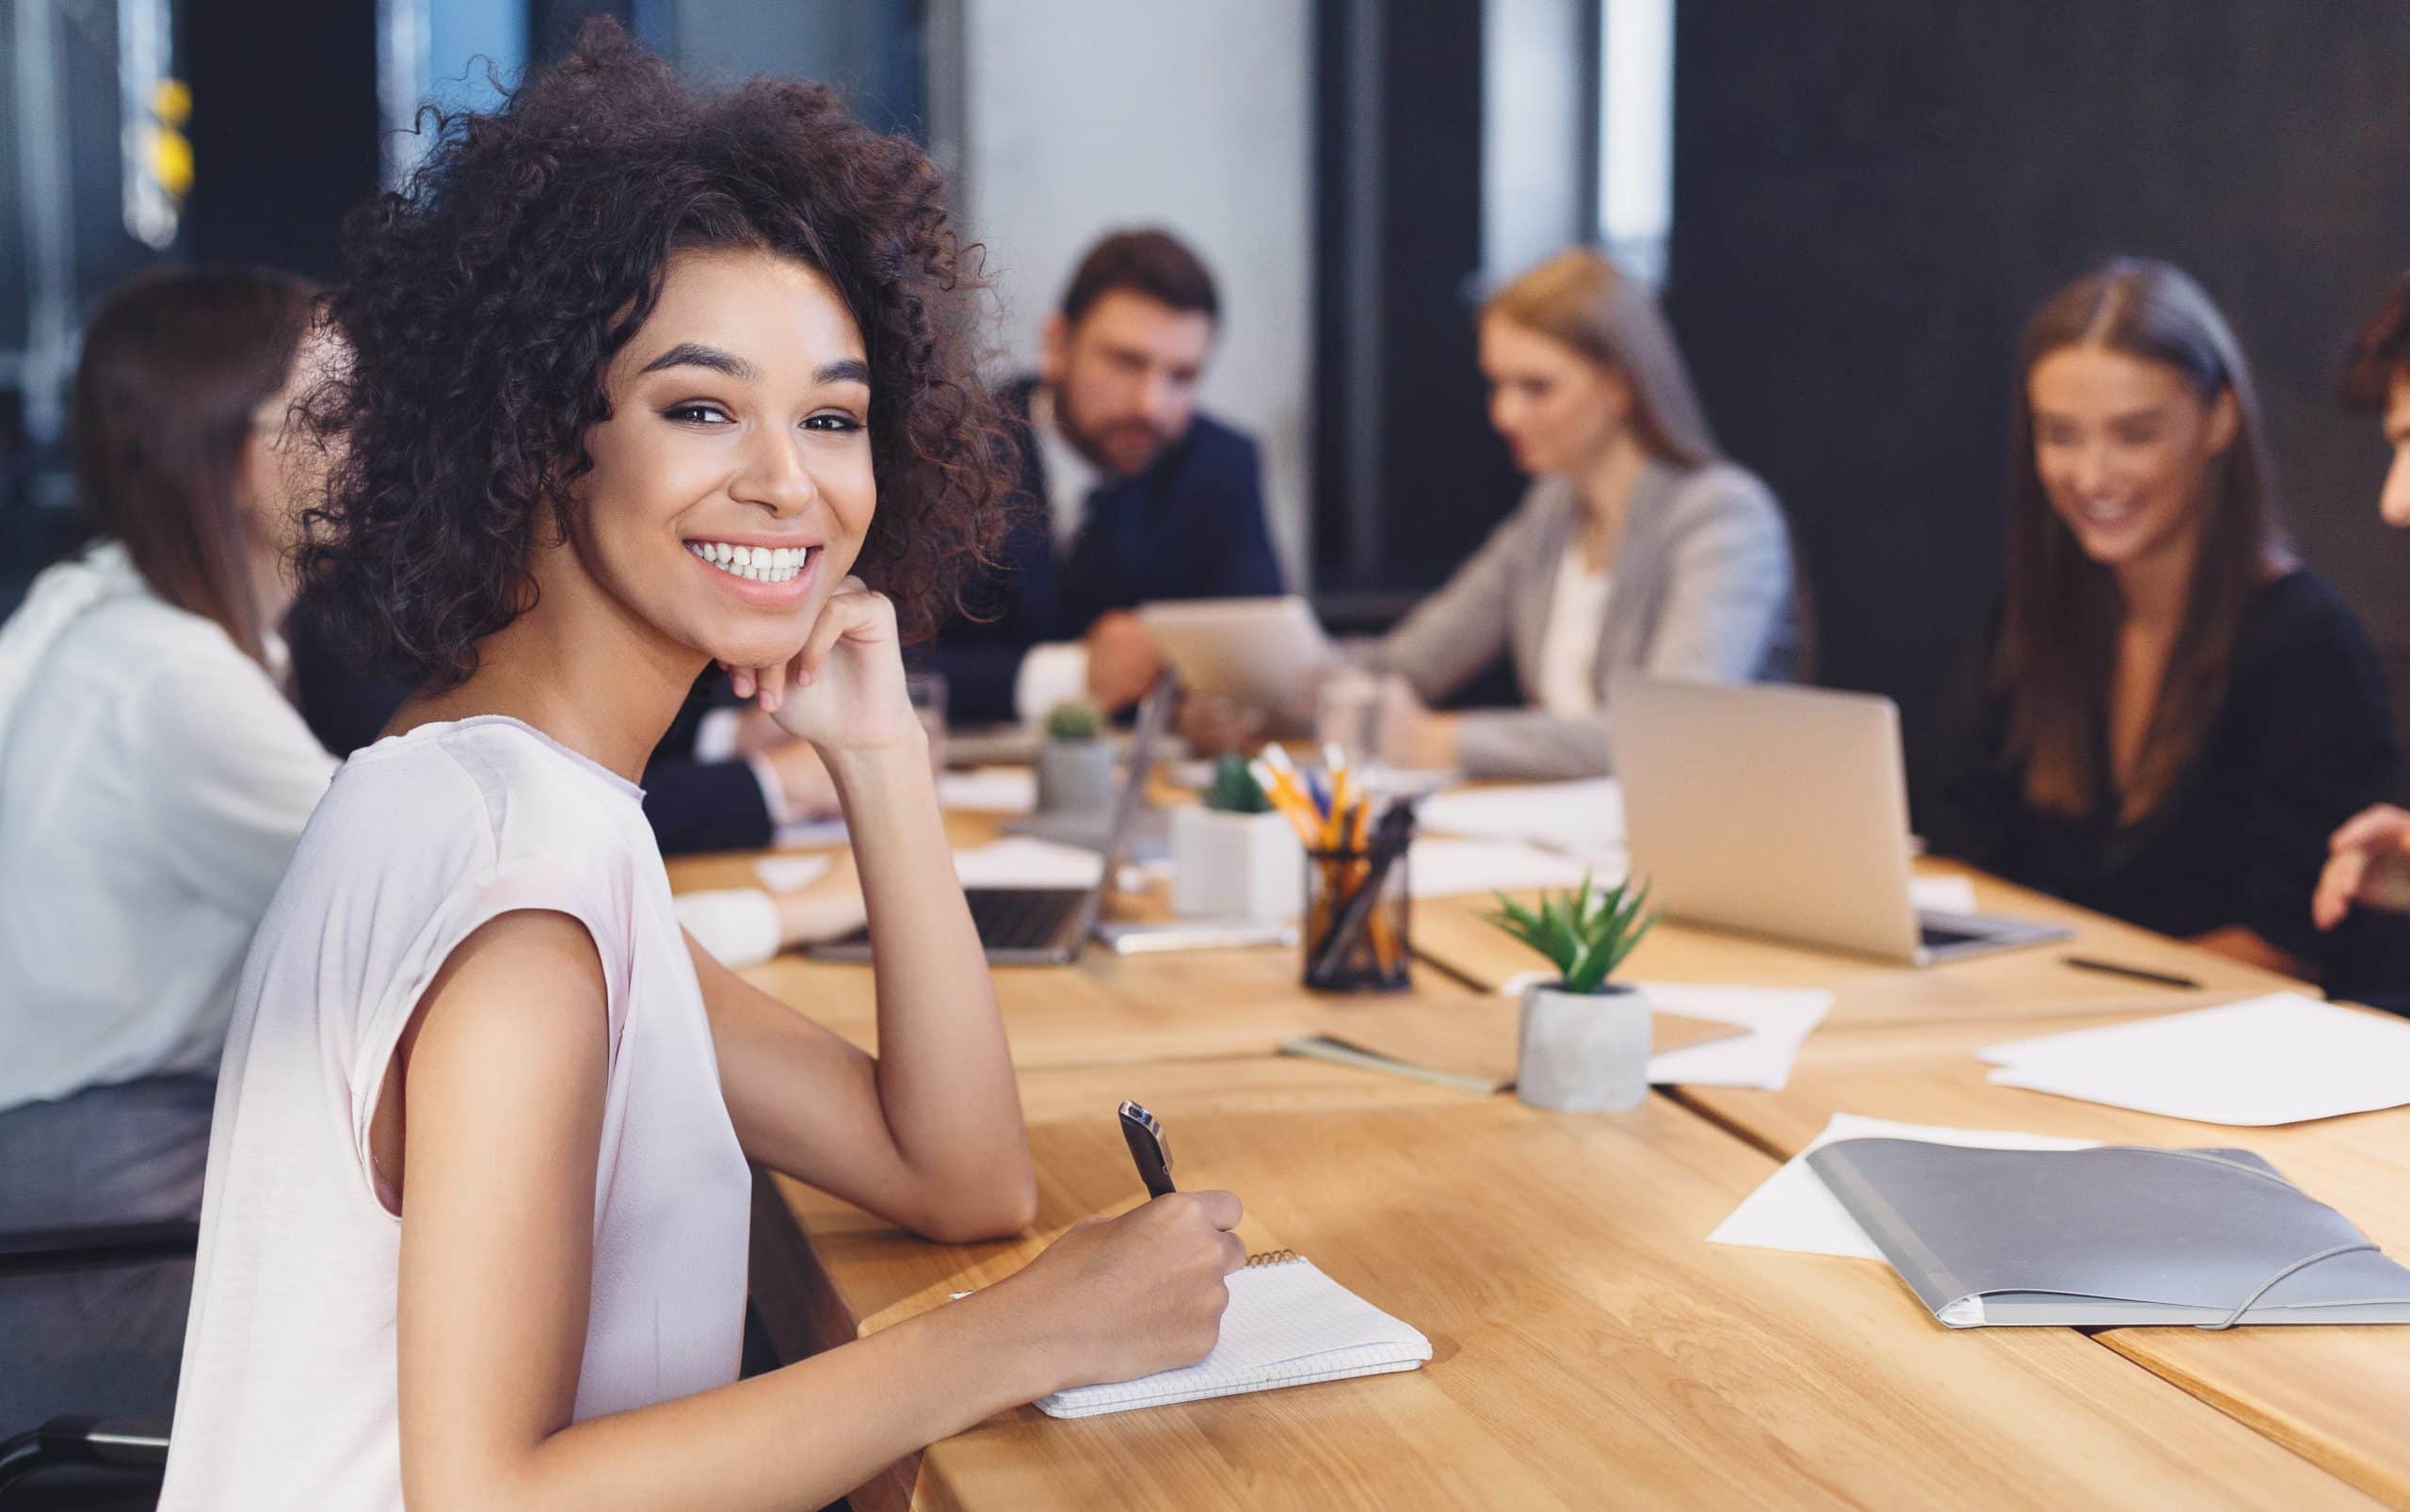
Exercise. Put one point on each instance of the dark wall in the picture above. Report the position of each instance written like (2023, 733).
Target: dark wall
(1398, 248)
(285, 130)
(1869, 197)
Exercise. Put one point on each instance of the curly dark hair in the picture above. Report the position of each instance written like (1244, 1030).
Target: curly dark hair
(487, 300)
(2380, 354)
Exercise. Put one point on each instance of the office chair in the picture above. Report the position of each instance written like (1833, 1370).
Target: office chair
(133, 1449)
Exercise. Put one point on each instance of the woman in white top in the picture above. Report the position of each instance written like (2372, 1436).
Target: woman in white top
(1638, 546)
(640, 378)
(153, 781)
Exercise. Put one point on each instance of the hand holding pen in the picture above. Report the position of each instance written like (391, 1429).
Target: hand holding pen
(1116, 1299)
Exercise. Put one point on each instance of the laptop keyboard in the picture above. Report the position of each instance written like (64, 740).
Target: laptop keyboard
(1025, 918)
(1934, 936)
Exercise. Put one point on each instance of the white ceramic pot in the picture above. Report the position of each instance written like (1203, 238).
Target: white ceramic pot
(1233, 865)
(1583, 1052)
(1075, 776)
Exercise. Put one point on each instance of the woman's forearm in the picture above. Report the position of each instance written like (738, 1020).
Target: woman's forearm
(945, 1076)
(801, 1436)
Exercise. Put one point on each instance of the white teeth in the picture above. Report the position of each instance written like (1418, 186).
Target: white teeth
(755, 563)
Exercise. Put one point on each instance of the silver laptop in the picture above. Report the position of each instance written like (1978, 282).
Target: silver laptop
(1051, 926)
(1784, 811)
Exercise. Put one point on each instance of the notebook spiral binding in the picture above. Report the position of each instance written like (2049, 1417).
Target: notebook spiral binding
(1272, 1257)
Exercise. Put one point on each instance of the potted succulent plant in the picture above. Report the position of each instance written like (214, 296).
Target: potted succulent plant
(1231, 856)
(1585, 1038)
(1075, 762)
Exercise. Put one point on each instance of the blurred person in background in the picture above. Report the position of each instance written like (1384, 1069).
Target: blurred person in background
(1637, 545)
(153, 781)
(2170, 714)
(2369, 859)
(1131, 495)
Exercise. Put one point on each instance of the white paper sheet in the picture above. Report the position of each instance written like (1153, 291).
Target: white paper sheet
(1022, 861)
(1794, 1210)
(1443, 867)
(990, 790)
(1584, 816)
(813, 832)
(1779, 1021)
(2283, 1058)
(1942, 894)
(784, 873)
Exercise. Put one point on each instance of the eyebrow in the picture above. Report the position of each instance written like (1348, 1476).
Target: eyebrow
(695, 354)
(2127, 417)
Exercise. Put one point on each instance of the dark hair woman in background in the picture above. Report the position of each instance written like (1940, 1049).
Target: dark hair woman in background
(639, 379)
(2175, 714)
(153, 781)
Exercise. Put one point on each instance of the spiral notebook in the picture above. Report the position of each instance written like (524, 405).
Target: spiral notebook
(1288, 1324)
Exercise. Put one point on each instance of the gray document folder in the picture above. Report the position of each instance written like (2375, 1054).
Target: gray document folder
(2108, 1237)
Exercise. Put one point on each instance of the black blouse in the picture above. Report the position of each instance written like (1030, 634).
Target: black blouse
(2303, 742)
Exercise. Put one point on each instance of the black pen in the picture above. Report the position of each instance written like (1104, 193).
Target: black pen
(2113, 969)
(1149, 1147)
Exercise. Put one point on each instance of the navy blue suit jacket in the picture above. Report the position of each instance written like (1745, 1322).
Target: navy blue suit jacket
(1191, 527)
(693, 805)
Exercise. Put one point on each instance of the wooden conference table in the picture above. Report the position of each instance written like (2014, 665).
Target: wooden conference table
(1590, 1347)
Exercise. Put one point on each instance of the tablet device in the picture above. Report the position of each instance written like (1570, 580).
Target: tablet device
(1264, 652)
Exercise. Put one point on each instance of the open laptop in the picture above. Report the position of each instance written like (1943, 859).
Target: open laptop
(1783, 811)
(1051, 926)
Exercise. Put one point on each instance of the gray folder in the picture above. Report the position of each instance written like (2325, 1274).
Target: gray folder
(2108, 1237)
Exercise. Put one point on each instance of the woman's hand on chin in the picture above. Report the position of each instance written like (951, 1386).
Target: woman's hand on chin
(844, 690)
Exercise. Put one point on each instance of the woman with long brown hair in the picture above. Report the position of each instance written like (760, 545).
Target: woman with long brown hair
(153, 781)
(1638, 545)
(2175, 714)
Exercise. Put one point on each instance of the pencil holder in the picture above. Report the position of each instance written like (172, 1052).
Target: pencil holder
(1356, 921)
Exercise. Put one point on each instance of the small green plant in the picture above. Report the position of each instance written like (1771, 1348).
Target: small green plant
(1073, 721)
(1235, 789)
(1585, 934)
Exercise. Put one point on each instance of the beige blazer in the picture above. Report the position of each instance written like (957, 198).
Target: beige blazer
(1703, 589)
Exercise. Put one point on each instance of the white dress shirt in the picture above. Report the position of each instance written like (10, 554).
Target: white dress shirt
(1057, 671)
(154, 781)
(1567, 672)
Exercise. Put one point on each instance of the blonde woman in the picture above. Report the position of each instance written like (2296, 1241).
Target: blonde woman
(1637, 544)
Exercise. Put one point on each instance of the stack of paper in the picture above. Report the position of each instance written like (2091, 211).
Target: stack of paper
(990, 790)
(1794, 1210)
(1778, 1024)
(1019, 862)
(1584, 816)
(1024, 862)
(2279, 1060)
(1942, 894)
(784, 873)
(829, 831)
(1438, 868)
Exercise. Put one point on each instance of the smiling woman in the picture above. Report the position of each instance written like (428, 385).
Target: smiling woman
(639, 380)
(2174, 713)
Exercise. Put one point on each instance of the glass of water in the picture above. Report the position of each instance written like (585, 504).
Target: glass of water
(1347, 713)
